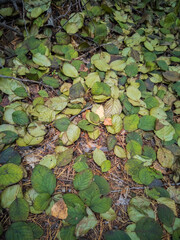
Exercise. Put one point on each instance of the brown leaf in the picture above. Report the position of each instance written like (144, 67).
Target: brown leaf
(108, 122)
(83, 68)
(59, 210)
(171, 76)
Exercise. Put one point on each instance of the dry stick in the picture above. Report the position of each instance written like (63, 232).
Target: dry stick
(11, 28)
(60, 27)
(27, 80)
(71, 118)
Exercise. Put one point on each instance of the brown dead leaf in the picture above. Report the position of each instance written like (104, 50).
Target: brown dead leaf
(59, 210)
(108, 122)
(159, 168)
(100, 112)
(83, 68)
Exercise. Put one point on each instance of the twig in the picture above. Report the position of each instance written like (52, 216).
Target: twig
(28, 80)
(83, 110)
(11, 28)
(23, 16)
(64, 15)
(6, 1)
(15, 5)
(60, 27)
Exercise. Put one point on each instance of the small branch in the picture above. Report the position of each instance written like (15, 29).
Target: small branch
(7, 1)
(83, 110)
(15, 5)
(11, 28)
(29, 81)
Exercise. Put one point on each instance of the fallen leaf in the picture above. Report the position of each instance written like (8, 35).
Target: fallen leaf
(108, 122)
(59, 210)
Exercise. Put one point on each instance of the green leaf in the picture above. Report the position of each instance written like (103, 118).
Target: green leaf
(19, 210)
(111, 142)
(75, 214)
(163, 65)
(19, 230)
(134, 136)
(86, 224)
(83, 179)
(76, 91)
(133, 93)
(20, 118)
(10, 194)
(116, 235)
(43, 93)
(146, 176)
(165, 157)
(151, 102)
(67, 233)
(7, 137)
(165, 215)
(36, 12)
(43, 180)
(119, 152)
(65, 157)
(131, 70)
(147, 123)
(73, 133)
(92, 78)
(99, 156)
(87, 194)
(131, 122)
(69, 70)
(139, 207)
(110, 215)
(105, 166)
(166, 133)
(41, 60)
(86, 126)
(10, 174)
(36, 229)
(100, 205)
(102, 184)
(116, 125)
(149, 152)
(111, 48)
(80, 166)
(53, 82)
(21, 92)
(42, 201)
(62, 124)
(10, 156)
(157, 192)
(72, 200)
(48, 161)
(134, 148)
(148, 228)
(149, 46)
(102, 65)
(133, 167)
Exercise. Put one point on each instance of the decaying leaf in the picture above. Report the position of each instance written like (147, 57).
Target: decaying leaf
(59, 209)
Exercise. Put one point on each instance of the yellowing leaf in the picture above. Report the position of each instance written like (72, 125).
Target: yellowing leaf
(69, 70)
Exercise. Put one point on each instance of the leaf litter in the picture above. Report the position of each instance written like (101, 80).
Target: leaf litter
(90, 132)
